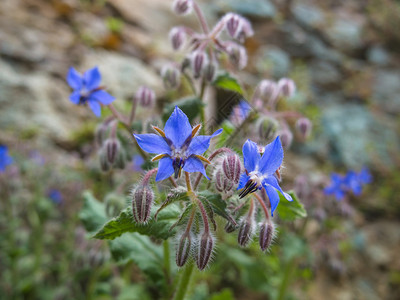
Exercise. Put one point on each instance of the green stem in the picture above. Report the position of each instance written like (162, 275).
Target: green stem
(286, 278)
(202, 112)
(184, 282)
(167, 264)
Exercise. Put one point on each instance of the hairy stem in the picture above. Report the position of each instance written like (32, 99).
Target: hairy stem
(147, 176)
(167, 264)
(264, 207)
(188, 183)
(184, 282)
(201, 17)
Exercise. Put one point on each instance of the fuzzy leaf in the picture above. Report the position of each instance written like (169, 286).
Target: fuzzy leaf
(124, 223)
(290, 210)
(218, 205)
(227, 82)
(190, 106)
(93, 214)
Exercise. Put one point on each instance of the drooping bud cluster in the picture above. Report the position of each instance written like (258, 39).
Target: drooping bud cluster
(145, 96)
(142, 201)
(177, 37)
(182, 7)
(112, 155)
(246, 230)
(227, 174)
(204, 249)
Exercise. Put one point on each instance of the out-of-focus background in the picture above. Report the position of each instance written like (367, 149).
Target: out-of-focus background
(343, 56)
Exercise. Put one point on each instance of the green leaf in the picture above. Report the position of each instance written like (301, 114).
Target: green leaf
(125, 223)
(93, 214)
(290, 210)
(227, 82)
(218, 205)
(225, 294)
(191, 106)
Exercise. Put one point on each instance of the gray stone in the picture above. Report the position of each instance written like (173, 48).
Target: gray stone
(308, 15)
(378, 56)
(346, 34)
(386, 90)
(257, 8)
(275, 60)
(325, 74)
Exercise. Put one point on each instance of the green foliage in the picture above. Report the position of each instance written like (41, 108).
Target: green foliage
(93, 214)
(191, 106)
(291, 210)
(218, 205)
(228, 82)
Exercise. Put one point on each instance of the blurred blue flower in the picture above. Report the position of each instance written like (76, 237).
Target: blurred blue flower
(5, 159)
(87, 89)
(55, 196)
(240, 112)
(261, 170)
(338, 186)
(177, 146)
(137, 162)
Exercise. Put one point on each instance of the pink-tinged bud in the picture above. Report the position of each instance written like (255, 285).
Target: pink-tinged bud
(182, 7)
(142, 201)
(268, 90)
(199, 59)
(232, 167)
(206, 246)
(209, 71)
(286, 87)
(145, 96)
(222, 184)
(267, 128)
(246, 230)
(286, 137)
(112, 148)
(100, 134)
(237, 55)
(233, 24)
(303, 127)
(246, 31)
(177, 36)
(183, 249)
(171, 77)
(267, 231)
(230, 227)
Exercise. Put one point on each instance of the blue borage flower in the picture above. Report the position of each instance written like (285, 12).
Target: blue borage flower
(5, 159)
(87, 89)
(240, 112)
(261, 171)
(177, 146)
(338, 187)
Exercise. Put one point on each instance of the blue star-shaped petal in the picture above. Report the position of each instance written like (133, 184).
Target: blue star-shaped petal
(261, 170)
(5, 159)
(87, 89)
(338, 187)
(178, 147)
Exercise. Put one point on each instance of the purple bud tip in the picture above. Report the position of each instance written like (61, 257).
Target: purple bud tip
(237, 55)
(286, 137)
(232, 167)
(183, 249)
(112, 148)
(145, 96)
(246, 230)
(177, 36)
(199, 59)
(268, 90)
(238, 27)
(182, 7)
(206, 246)
(286, 87)
(304, 127)
(142, 202)
(267, 231)
(222, 183)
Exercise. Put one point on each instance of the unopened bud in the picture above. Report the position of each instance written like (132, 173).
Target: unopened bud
(222, 184)
(171, 77)
(232, 167)
(237, 55)
(104, 163)
(267, 230)
(100, 133)
(303, 127)
(206, 246)
(246, 231)
(209, 71)
(268, 90)
(267, 128)
(233, 24)
(121, 160)
(182, 7)
(177, 36)
(183, 249)
(245, 30)
(286, 87)
(142, 201)
(145, 96)
(112, 148)
(230, 227)
(199, 60)
(286, 138)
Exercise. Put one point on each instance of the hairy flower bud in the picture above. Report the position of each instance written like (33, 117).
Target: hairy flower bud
(100, 133)
(199, 60)
(145, 96)
(303, 127)
(267, 127)
(286, 87)
(267, 231)
(182, 7)
(233, 24)
(142, 200)
(177, 36)
(209, 71)
(205, 249)
(222, 184)
(232, 167)
(246, 230)
(171, 77)
(237, 55)
(286, 138)
(230, 227)
(112, 148)
(121, 160)
(104, 163)
(268, 90)
(183, 249)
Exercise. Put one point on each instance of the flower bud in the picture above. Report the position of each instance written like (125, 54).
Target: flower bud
(286, 138)
(237, 55)
(100, 133)
(121, 160)
(246, 230)
(182, 7)
(267, 128)
(183, 249)
(199, 60)
(303, 127)
(222, 184)
(112, 148)
(171, 77)
(245, 30)
(286, 87)
(177, 36)
(104, 163)
(268, 90)
(209, 71)
(233, 24)
(230, 227)
(206, 245)
(142, 200)
(145, 96)
(267, 230)
(232, 167)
